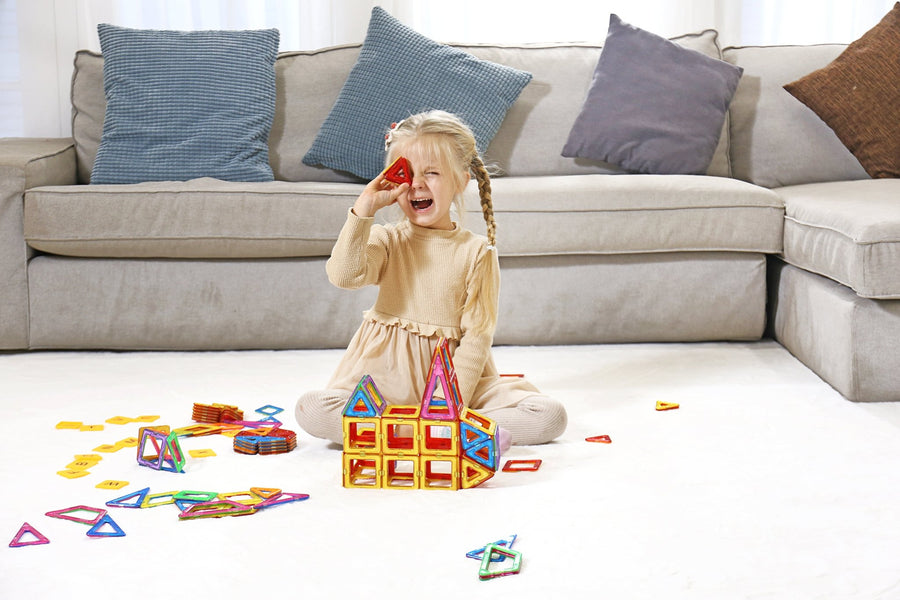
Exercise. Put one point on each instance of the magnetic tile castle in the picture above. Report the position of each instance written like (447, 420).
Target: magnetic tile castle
(439, 444)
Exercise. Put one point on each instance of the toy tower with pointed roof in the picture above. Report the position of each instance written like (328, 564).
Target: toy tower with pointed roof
(439, 444)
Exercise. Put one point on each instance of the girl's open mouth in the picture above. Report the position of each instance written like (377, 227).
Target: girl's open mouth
(422, 204)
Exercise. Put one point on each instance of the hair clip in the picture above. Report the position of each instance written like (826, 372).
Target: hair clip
(389, 136)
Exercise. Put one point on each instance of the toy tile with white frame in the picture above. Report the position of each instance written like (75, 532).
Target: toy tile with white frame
(440, 444)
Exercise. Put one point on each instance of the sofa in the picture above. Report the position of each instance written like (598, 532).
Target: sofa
(785, 235)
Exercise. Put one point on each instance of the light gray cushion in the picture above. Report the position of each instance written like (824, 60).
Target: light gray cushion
(202, 218)
(399, 73)
(775, 140)
(186, 104)
(848, 231)
(612, 214)
(653, 106)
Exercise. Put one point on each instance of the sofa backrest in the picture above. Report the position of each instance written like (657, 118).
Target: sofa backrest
(529, 142)
(775, 139)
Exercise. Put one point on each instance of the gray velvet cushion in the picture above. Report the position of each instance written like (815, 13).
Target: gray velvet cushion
(653, 106)
(181, 105)
(848, 231)
(399, 73)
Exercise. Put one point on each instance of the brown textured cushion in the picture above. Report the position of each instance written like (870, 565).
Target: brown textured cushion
(858, 96)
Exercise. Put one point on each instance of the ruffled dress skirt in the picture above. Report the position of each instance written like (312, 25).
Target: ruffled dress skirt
(398, 360)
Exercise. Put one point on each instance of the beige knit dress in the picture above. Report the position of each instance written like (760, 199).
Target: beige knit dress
(424, 278)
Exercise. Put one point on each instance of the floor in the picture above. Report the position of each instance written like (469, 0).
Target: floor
(764, 483)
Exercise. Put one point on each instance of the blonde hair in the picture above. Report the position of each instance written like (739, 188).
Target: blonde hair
(449, 140)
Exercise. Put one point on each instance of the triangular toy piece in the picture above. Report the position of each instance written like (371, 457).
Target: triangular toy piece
(443, 372)
(473, 474)
(24, 530)
(366, 400)
(660, 405)
(399, 172)
(282, 498)
(122, 501)
(506, 543)
(106, 520)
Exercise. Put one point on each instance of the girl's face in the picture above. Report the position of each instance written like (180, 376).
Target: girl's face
(428, 201)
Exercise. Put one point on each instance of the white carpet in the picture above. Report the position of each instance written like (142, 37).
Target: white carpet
(765, 483)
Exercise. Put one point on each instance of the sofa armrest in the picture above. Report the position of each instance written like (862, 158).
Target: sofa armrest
(24, 163)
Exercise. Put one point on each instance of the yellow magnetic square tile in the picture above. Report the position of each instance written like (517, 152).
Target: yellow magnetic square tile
(91, 428)
(147, 418)
(93, 457)
(108, 448)
(201, 453)
(72, 474)
(131, 442)
(69, 425)
(111, 484)
(80, 465)
(119, 420)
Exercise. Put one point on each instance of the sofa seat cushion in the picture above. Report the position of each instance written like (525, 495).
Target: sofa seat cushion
(848, 231)
(200, 218)
(625, 214)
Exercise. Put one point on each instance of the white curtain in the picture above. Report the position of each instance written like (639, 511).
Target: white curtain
(38, 38)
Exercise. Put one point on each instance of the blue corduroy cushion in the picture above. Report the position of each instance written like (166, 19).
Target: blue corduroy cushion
(186, 104)
(399, 73)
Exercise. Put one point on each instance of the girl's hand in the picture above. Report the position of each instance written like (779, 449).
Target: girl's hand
(378, 194)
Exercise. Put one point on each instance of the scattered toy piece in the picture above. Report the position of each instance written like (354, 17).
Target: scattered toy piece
(485, 572)
(91, 428)
(27, 530)
(601, 439)
(73, 474)
(138, 496)
(513, 466)
(201, 453)
(111, 484)
(119, 420)
(660, 405)
(68, 514)
(108, 448)
(478, 554)
(105, 522)
(69, 425)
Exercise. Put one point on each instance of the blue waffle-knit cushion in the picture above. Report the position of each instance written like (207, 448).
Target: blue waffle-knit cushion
(400, 73)
(186, 104)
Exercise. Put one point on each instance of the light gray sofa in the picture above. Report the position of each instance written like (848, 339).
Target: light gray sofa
(588, 254)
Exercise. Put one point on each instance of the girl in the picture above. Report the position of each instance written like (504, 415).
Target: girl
(435, 280)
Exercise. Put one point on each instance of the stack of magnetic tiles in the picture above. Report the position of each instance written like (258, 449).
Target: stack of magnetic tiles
(439, 444)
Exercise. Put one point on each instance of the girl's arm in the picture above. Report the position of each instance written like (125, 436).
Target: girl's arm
(359, 253)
